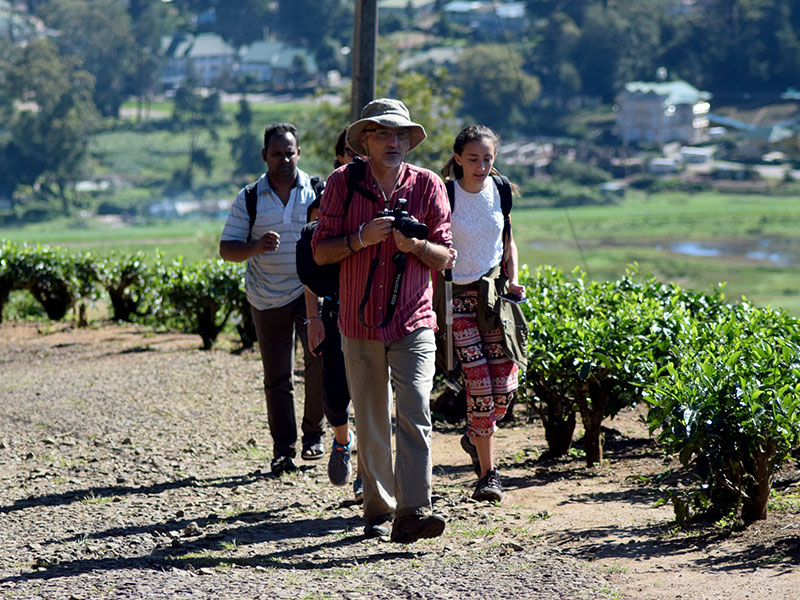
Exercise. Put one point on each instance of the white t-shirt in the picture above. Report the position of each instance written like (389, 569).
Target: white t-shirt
(271, 278)
(477, 229)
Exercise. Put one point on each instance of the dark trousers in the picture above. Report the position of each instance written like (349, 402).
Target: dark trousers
(336, 395)
(276, 329)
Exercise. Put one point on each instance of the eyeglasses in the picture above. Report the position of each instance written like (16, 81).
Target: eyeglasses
(385, 135)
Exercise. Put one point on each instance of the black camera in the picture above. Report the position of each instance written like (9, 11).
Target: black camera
(405, 224)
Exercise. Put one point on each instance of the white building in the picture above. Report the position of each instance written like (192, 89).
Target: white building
(662, 112)
(206, 57)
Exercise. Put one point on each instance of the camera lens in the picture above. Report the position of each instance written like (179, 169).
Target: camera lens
(411, 228)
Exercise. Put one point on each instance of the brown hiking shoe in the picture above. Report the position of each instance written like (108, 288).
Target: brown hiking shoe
(378, 527)
(410, 528)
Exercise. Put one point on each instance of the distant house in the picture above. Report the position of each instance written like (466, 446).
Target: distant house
(487, 18)
(438, 56)
(174, 66)
(256, 61)
(662, 112)
(403, 8)
(754, 140)
(18, 26)
(662, 165)
(277, 64)
(206, 57)
(211, 59)
(697, 156)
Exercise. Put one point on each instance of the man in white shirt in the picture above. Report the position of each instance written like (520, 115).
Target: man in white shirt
(275, 292)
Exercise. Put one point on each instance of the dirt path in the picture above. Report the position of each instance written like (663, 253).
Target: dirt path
(133, 466)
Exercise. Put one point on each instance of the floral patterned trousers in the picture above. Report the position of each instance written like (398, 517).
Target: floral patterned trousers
(490, 377)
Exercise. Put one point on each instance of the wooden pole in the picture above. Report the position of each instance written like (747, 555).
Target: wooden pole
(365, 52)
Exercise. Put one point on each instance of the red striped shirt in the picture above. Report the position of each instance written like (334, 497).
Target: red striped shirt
(427, 201)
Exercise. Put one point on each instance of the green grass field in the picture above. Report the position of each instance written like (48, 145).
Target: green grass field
(606, 241)
(191, 239)
(149, 158)
(645, 229)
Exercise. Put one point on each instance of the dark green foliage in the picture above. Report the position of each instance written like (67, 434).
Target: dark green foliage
(45, 272)
(727, 403)
(246, 146)
(98, 35)
(200, 297)
(46, 147)
(129, 283)
(580, 173)
(592, 347)
(722, 381)
(85, 277)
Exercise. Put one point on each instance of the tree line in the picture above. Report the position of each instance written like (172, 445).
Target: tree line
(55, 93)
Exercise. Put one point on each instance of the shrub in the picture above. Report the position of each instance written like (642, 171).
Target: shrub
(200, 297)
(85, 277)
(129, 282)
(727, 404)
(592, 347)
(46, 272)
(578, 172)
(22, 306)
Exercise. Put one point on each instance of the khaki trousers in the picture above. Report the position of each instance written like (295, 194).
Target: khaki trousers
(373, 368)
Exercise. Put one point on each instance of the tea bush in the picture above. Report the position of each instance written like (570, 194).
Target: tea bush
(721, 381)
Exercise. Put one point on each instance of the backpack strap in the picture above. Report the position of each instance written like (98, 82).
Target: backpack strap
(318, 185)
(251, 201)
(506, 202)
(356, 174)
(450, 185)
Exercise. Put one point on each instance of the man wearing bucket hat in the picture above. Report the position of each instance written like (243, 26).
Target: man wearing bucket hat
(390, 237)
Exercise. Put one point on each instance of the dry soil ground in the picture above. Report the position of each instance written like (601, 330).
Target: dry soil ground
(133, 465)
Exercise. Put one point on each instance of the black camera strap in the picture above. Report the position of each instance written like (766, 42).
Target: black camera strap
(399, 260)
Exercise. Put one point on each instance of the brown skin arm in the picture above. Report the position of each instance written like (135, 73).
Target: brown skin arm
(335, 249)
(236, 251)
(511, 259)
(435, 256)
(316, 330)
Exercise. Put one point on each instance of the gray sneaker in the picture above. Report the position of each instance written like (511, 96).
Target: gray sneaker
(339, 463)
(489, 487)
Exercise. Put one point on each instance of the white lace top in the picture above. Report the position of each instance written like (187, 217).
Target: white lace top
(477, 229)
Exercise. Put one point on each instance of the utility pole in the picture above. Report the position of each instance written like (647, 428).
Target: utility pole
(365, 52)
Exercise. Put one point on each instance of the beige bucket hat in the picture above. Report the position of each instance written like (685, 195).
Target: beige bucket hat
(389, 113)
